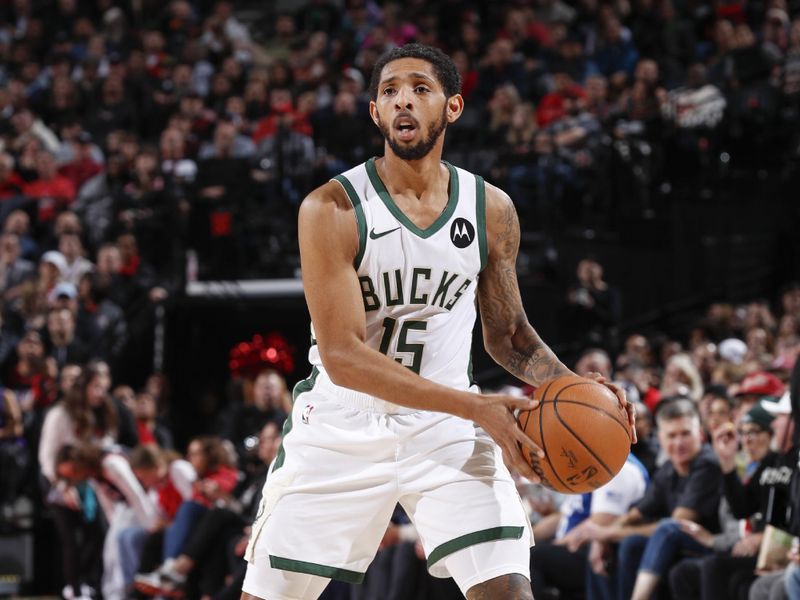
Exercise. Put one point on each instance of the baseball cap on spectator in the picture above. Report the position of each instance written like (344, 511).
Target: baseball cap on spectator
(65, 289)
(758, 415)
(733, 350)
(760, 383)
(114, 58)
(84, 137)
(777, 406)
(54, 257)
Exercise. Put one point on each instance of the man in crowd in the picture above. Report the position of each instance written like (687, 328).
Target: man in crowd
(687, 487)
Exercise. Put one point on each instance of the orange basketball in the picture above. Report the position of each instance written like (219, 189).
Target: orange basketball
(583, 431)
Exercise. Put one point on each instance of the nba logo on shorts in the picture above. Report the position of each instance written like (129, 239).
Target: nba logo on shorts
(307, 413)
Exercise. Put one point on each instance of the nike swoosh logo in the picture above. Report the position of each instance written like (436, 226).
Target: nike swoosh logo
(375, 236)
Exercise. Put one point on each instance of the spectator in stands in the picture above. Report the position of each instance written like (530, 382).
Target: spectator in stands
(148, 426)
(222, 187)
(616, 55)
(753, 388)
(27, 126)
(729, 570)
(30, 375)
(227, 526)
(64, 346)
(341, 134)
(10, 182)
(593, 304)
(119, 494)
(19, 223)
(554, 562)
(500, 67)
(51, 191)
(100, 321)
(216, 479)
(681, 379)
(13, 268)
(245, 420)
(686, 487)
(77, 265)
(716, 409)
(82, 166)
(14, 453)
(594, 360)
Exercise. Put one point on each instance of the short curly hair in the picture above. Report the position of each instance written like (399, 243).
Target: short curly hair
(443, 67)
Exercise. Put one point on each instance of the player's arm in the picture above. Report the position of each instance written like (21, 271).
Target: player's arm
(508, 336)
(328, 245)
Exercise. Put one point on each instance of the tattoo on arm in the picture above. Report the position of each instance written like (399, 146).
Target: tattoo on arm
(511, 340)
(505, 587)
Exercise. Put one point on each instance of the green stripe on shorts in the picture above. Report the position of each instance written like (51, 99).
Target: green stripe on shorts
(302, 386)
(298, 566)
(471, 539)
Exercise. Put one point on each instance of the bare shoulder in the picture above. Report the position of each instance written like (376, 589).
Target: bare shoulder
(502, 224)
(328, 199)
(327, 223)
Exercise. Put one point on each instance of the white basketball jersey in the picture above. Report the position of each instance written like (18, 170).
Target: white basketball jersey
(418, 285)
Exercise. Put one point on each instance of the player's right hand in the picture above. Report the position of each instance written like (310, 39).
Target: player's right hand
(496, 415)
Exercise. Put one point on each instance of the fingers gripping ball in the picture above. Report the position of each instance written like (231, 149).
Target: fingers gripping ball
(583, 431)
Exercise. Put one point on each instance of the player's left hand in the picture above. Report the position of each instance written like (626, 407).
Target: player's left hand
(629, 407)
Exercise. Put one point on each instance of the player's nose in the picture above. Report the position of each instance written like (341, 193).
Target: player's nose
(404, 98)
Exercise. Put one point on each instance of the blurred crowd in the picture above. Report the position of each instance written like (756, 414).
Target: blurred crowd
(145, 144)
(198, 129)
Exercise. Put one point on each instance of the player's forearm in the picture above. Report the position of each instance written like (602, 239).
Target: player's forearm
(526, 356)
(358, 367)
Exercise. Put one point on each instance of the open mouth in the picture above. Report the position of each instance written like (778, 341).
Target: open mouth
(406, 128)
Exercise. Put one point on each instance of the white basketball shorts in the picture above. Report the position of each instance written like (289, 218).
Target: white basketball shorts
(347, 459)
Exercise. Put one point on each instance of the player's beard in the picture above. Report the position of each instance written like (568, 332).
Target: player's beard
(422, 147)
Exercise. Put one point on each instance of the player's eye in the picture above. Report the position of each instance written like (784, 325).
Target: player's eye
(421, 89)
(388, 91)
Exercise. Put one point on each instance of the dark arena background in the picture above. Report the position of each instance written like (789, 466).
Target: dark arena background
(153, 157)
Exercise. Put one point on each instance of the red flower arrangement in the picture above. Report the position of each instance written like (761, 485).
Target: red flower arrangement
(272, 351)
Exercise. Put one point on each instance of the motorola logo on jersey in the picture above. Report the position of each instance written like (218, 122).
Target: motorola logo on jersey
(462, 233)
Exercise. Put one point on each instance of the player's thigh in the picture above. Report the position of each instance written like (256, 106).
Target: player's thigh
(464, 496)
(262, 582)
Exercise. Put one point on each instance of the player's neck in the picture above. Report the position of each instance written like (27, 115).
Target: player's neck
(417, 175)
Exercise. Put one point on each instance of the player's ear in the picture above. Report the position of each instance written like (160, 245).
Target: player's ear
(373, 111)
(455, 106)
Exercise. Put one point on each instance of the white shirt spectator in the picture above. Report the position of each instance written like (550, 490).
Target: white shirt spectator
(614, 498)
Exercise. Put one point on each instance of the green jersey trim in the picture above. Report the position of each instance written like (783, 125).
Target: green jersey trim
(443, 218)
(480, 209)
(471, 539)
(299, 566)
(302, 386)
(361, 221)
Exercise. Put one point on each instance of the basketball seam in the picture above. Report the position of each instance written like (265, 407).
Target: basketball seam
(575, 435)
(598, 409)
(544, 445)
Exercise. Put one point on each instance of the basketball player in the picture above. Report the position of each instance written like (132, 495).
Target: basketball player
(394, 253)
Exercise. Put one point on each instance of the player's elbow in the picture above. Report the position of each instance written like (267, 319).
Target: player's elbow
(499, 347)
(339, 364)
